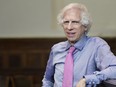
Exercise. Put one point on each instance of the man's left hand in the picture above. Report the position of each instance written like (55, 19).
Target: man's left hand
(81, 83)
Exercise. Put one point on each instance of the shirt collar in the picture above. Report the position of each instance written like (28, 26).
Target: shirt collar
(80, 43)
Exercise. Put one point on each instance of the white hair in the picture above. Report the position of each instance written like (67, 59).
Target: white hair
(85, 17)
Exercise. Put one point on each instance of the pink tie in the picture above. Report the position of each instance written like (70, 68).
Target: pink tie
(68, 69)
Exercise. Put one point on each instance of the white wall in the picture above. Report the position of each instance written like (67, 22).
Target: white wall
(37, 18)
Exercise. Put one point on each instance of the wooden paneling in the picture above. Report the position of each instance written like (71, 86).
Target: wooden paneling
(28, 56)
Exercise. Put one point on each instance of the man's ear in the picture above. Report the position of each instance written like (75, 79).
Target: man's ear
(85, 28)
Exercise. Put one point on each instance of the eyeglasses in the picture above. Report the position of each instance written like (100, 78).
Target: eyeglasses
(73, 23)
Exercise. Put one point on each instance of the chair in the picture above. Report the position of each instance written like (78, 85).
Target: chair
(6, 81)
(2, 81)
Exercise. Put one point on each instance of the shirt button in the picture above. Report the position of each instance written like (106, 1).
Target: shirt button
(93, 82)
(90, 83)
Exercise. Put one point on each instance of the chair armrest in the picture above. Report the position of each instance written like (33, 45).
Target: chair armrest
(110, 83)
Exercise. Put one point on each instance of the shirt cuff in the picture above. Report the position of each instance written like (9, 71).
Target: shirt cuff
(92, 79)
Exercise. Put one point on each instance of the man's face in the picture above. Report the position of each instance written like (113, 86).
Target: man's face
(71, 24)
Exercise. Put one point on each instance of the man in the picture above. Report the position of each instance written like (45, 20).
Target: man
(93, 61)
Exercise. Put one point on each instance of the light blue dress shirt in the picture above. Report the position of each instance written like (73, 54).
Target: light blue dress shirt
(93, 60)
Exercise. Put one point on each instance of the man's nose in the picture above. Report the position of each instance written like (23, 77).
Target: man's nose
(69, 25)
